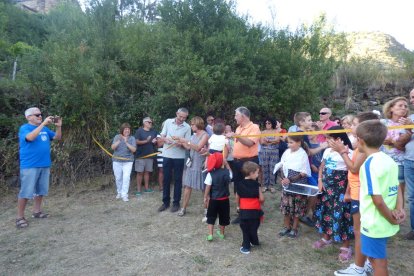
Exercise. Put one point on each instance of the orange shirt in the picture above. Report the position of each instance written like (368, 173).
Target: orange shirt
(242, 151)
(353, 179)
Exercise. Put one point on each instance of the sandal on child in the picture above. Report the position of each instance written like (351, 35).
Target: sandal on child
(209, 237)
(21, 223)
(322, 243)
(284, 231)
(345, 254)
(293, 234)
(40, 215)
(221, 236)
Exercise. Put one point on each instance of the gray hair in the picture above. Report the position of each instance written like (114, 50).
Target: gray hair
(30, 111)
(183, 110)
(146, 119)
(244, 111)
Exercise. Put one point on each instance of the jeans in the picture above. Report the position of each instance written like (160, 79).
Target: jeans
(171, 165)
(409, 184)
(122, 172)
(34, 182)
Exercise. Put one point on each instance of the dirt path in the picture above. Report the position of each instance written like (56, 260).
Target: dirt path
(91, 233)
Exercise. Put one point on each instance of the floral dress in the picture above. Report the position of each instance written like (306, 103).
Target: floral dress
(333, 216)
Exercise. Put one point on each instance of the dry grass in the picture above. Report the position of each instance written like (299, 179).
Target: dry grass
(91, 233)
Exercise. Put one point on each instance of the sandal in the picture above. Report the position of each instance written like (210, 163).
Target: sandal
(272, 190)
(21, 223)
(265, 189)
(221, 236)
(284, 231)
(40, 215)
(345, 254)
(322, 243)
(209, 237)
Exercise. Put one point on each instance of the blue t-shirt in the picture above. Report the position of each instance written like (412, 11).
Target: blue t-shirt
(36, 153)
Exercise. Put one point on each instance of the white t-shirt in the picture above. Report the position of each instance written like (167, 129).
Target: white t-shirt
(334, 161)
(217, 142)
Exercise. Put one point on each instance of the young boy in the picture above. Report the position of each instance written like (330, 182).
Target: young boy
(361, 266)
(304, 122)
(250, 197)
(381, 205)
(216, 195)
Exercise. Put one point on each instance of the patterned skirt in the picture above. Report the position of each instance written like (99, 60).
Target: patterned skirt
(333, 216)
(294, 204)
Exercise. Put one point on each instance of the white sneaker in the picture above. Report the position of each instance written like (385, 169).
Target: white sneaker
(350, 270)
(118, 196)
(368, 267)
(181, 213)
(125, 199)
(204, 219)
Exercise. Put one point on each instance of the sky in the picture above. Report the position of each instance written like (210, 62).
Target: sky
(394, 17)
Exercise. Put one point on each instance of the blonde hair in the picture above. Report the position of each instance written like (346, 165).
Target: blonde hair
(388, 105)
(198, 122)
(347, 119)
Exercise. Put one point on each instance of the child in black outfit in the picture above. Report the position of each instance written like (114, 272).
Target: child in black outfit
(216, 195)
(250, 198)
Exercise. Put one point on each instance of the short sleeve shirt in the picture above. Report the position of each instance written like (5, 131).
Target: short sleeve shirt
(321, 138)
(36, 153)
(242, 151)
(409, 148)
(334, 161)
(396, 154)
(171, 129)
(378, 176)
(141, 134)
(122, 150)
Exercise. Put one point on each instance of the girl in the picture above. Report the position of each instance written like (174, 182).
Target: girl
(332, 212)
(296, 169)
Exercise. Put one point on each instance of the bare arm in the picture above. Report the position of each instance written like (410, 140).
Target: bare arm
(320, 174)
(261, 196)
(314, 151)
(384, 210)
(35, 132)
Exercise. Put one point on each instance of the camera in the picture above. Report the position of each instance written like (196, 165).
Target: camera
(55, 119)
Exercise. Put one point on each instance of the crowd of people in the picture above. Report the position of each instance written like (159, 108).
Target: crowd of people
(360, 175)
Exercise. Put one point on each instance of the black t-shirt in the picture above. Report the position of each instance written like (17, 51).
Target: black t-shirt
(148, 148)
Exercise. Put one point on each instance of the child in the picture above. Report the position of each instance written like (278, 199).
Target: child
(250, 198)
(296, 169)
(332, 212)
(361, 265)
(381, 196)
(303, 120)
(315, 162)
(216, 195)
(218, 140)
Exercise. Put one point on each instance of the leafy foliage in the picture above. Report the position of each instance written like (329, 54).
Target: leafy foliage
(121, 61)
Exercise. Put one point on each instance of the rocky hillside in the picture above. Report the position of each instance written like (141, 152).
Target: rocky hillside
(382, 48)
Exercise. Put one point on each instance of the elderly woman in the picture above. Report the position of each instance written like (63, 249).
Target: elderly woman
(193, 178)
(124, 147)
(395, 113)
(269, 154)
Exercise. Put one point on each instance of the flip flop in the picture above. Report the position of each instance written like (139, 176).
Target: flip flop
(40, 215)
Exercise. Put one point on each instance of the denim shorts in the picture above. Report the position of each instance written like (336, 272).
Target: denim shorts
(374, 247)
(401, 174)
(354, 206)
(33, 182)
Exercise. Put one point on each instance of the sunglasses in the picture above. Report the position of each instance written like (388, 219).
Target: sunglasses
(37, 115)
(323, 113)
(148, 122)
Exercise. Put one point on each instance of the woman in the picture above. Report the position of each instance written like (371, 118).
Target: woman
(192, 178)
(395, 111)
(124, 147)
(269, 154)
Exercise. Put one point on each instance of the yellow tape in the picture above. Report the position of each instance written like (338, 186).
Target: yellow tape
(313, 132)
(110, 154)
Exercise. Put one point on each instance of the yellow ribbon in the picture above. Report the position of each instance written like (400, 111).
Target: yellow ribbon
(313, 132)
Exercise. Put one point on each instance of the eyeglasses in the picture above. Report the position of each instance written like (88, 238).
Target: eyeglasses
(148, 122)
(37, 115)
(268, 123)
(323, 113)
